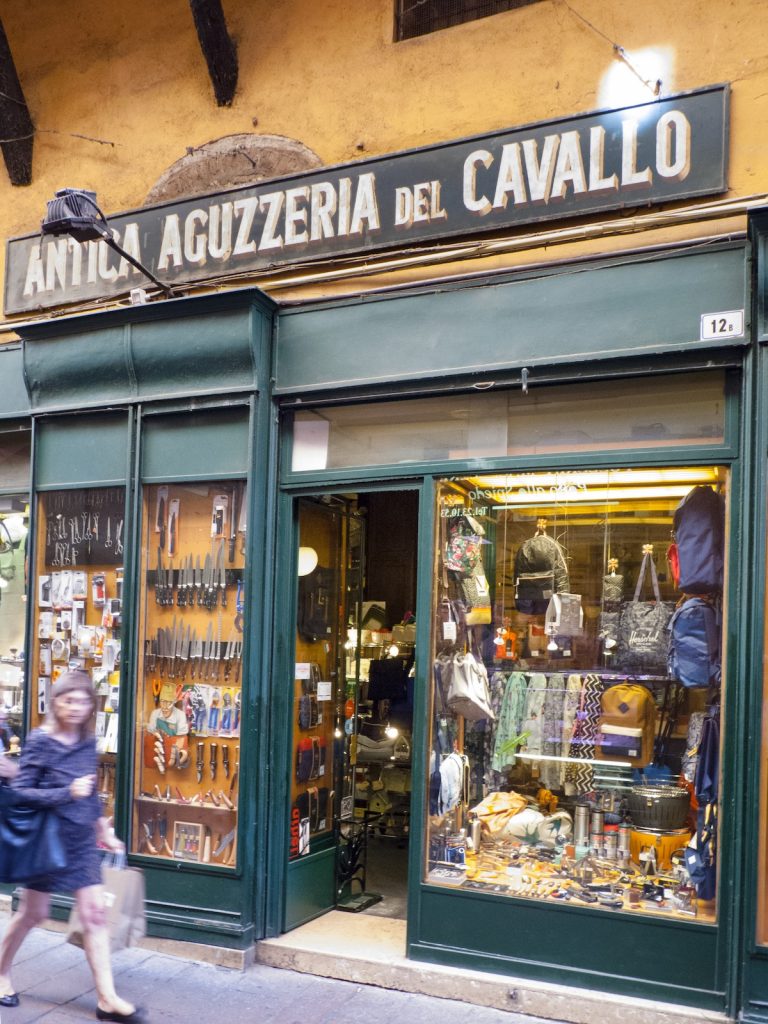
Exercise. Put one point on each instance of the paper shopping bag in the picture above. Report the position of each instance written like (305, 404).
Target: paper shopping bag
(124, 900)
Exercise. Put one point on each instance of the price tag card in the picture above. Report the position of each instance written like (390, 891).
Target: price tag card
(449, 631)
(324, 690)
(302, 670)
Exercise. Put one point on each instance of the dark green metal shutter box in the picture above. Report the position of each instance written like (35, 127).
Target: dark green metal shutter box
(629, 306)
(86, 451)
(203, 446)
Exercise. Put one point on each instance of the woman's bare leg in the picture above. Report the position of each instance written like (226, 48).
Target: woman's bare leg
(33, 910)
(90, 905)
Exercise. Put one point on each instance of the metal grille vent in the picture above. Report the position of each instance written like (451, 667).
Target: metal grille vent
(419, 17)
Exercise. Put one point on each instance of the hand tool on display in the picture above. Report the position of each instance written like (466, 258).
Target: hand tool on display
(197, 656)
(207, 651)
(221, 575)
(185, 645)
(180, 797)
(214, 760)
(156, 688)
(162, 829)
(212, 798)
(181, 592)
(173, 521)
(198, 581)
(159, 578)
(195, 799)
(238, 659)
(148, 828)
(207, 581)
(225, 759)
(178, 646)
(233, 515)
(235, 773)
(157, 794)
(229, 653)
(162, 651)
(200, 762)
(159, 755)
(224, 799)
(168, 795)
(226, 841)
(239, 606)
(218, 649)
(189, 664)
(161, 520)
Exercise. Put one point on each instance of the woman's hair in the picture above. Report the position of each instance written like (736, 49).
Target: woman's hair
(75, 679)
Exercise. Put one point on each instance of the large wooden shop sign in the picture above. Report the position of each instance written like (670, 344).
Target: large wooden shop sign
(657, 152)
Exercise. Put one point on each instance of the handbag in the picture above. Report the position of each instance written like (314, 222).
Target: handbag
(30, 844)
(478, 598)
(465, 686)
(124, 901)
(643, 638)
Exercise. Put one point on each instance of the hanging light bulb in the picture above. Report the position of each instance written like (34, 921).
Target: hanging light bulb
(394, 650)
(307, 561)
(391, 732)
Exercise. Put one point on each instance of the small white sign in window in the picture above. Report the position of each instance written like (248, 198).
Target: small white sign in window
(729, 324)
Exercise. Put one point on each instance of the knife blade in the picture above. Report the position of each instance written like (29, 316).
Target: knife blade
(161, 520)
(185, 644)
(207, 580)
(233, 514)
(198, 580)
(207, 651)
(222, 576)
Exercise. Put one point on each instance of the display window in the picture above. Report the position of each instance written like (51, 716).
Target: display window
(501, 423)
(578, 668)
(190, 672)
(78, 615)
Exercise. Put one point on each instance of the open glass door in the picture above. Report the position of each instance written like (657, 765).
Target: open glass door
(351, 703)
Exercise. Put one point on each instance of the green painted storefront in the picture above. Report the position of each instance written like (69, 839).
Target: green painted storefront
(206, 387)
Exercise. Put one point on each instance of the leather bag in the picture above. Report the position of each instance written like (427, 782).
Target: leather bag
(30, 844)
(465, 685)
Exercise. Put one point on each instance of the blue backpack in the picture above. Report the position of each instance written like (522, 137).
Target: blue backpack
(694, 649)
(699, 529)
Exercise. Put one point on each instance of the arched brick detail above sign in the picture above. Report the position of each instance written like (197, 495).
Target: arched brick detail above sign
(231, 161)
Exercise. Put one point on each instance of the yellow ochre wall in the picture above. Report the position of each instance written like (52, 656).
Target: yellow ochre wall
(327, 73)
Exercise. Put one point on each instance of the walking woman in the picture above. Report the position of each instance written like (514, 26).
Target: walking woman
(58, 769)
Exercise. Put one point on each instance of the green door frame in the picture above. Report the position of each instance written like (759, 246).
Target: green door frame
(285, 904)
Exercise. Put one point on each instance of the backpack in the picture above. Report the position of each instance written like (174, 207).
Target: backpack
(540, 572)
(694, 650)
(626, 729)
(316, 605)
(699, 528)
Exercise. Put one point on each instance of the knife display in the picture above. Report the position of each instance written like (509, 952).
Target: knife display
(191, 643)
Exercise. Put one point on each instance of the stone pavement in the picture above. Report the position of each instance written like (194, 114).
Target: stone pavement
(55, 985)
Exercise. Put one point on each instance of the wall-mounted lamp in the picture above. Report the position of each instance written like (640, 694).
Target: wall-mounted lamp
(75, 212)
(307, 561)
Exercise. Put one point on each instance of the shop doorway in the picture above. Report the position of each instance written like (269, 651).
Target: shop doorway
(351, 737)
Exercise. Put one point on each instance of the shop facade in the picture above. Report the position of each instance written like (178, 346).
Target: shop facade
(183, 456)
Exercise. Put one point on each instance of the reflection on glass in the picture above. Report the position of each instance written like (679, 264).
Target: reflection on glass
(78, 607)
(189, 681)
(498, 423)
(575, 730)
(14, 524)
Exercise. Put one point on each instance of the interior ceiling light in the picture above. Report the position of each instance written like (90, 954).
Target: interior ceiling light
(75, 212)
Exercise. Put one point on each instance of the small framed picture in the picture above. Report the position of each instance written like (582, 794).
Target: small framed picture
(188, 840)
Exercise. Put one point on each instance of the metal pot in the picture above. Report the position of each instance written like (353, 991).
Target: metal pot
(659, 807)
